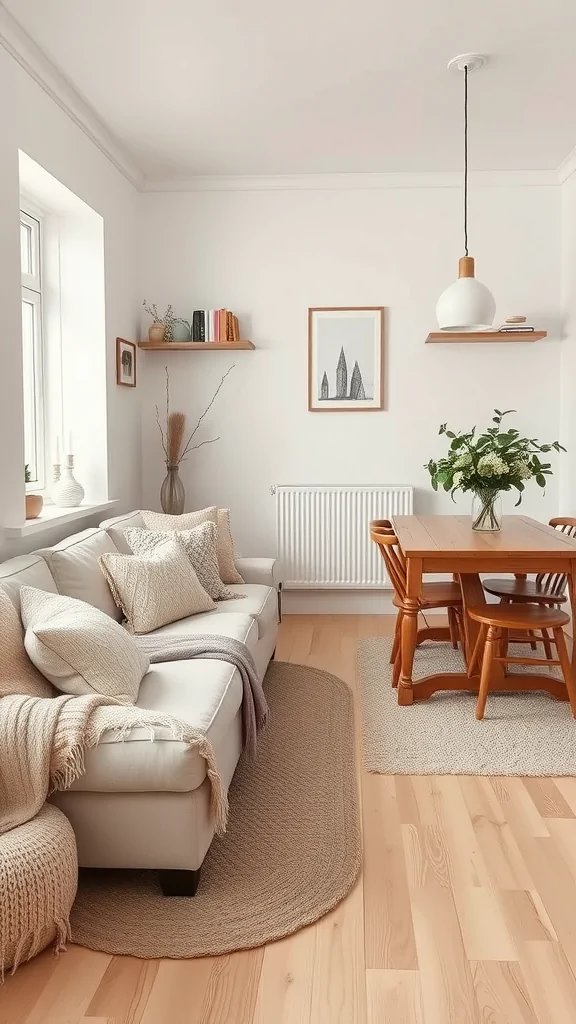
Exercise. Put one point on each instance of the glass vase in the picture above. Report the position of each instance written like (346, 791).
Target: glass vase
(172, 493)
(486, 511)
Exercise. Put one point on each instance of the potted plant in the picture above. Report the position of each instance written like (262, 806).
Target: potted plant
(176, 449)
(162, 326)
(34, 502)
(489, 463)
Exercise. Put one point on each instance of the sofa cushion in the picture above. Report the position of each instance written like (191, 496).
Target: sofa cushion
(157, 588)
(29, 570)
(115, 528)
(187, 521)
(79, 648)
(75, 567)
(260, 602)
(206, 694)
(241, 627)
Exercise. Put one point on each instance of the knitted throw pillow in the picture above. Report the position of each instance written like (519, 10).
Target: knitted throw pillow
(157, 588)
(17, 673)
(224, 543)
(79, 648)
(200, 546)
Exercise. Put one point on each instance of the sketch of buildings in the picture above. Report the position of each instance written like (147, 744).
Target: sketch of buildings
(342, 376)
(357, 391)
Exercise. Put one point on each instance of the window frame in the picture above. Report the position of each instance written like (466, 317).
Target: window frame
(31, 293)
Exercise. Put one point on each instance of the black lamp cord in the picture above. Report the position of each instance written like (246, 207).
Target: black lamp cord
(466, 159)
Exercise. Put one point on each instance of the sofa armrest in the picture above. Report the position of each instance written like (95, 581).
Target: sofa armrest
(257, 570)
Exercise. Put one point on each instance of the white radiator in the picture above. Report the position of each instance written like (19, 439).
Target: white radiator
(323, 537)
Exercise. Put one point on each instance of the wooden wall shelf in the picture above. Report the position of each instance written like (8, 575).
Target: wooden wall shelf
(483, 337)
(194, 346)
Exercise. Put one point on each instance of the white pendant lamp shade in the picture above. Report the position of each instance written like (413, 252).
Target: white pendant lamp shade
(466, 305)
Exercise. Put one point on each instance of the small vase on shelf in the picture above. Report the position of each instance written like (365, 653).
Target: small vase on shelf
(486, 511)
(67, 492)
(172, 494)
(157, 332)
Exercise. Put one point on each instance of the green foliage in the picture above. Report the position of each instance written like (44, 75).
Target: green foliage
(27, 474)
(497, 460)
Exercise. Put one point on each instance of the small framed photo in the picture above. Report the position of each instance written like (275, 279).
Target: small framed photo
(125, 363)
(345, 359)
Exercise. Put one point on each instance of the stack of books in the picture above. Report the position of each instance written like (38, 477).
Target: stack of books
(215, 325)
(516, 325)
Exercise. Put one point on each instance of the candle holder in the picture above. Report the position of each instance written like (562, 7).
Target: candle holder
(67, 492)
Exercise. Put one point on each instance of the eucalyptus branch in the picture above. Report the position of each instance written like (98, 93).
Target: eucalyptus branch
(195, 446)
(188, 447)
(161, 431)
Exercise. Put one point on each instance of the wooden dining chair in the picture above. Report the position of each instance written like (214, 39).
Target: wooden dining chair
(496, 622)
(434, 595)
(548, 589)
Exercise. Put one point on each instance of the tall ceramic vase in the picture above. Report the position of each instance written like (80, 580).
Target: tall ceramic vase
(172, 494)
(67, 492)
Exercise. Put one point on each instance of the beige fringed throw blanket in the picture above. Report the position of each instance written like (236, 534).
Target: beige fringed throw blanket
(43, 742)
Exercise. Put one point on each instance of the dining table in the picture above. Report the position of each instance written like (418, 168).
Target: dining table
(448, 544)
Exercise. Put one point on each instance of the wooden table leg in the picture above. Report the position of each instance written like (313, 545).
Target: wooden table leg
(473, 595)
(410, 609)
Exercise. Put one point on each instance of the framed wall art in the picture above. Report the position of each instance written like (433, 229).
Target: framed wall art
(125, 363)
(345, 359)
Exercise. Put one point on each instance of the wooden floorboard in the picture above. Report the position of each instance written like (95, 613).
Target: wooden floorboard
(465, 912)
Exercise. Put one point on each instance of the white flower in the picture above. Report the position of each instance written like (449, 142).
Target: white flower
(492, 465)
(457, 478)
(522, 470)
(463, 460)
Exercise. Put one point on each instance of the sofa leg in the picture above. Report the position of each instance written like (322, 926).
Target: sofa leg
(179, 883)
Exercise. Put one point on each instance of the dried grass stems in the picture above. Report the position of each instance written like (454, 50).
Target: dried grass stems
(173, 432)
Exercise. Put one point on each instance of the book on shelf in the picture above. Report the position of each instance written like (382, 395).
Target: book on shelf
(198, 329)
(516, 329)
(217, 325)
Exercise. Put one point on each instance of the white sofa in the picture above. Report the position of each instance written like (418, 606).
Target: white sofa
(141, 804)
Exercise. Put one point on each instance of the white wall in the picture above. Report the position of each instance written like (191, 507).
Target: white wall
(270, 254)
(568, 365)
(34, 123)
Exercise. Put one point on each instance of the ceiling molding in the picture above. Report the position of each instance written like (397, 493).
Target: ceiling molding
(29, 55)
(327, 182)
(567, 167)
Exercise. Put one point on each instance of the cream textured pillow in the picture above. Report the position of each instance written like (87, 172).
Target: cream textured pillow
(155, 589)
(79, 648)
(200, 546)
(224, 543)
(17, 673)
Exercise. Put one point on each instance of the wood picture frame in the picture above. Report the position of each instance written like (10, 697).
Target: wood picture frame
(346, 358)
(125, 363)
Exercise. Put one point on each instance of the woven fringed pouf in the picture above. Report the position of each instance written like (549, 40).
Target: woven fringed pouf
(38, 881)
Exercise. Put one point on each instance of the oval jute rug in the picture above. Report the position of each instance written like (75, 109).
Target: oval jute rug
(292, 850)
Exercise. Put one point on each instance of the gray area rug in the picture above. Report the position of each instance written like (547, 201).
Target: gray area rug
(522, 733)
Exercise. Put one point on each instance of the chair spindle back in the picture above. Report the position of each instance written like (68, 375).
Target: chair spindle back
(555, 582)
(382, 533)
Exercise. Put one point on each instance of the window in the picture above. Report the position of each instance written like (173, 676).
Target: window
(33, 348)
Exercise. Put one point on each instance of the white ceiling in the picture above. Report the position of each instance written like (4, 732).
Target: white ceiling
(317, 86)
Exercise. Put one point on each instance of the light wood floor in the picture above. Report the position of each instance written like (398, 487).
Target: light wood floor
(465, 914)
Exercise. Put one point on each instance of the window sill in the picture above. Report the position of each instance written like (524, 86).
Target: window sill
(52, 516)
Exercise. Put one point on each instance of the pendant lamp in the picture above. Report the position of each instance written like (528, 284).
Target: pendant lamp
(467, 305)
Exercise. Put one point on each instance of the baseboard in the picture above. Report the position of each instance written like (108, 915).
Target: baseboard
(337, 602)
